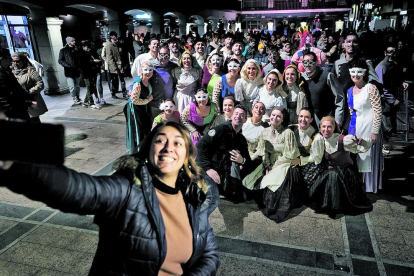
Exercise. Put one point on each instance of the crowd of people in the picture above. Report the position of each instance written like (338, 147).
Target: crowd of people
(283, 119)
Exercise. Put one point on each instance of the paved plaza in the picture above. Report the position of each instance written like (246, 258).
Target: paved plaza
(38, 240)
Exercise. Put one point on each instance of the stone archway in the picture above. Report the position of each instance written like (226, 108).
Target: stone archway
(180, 20)
(147, 18)
(199, 21)
(108, 16)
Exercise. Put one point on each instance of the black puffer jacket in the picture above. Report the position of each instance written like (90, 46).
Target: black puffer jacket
(132, 235)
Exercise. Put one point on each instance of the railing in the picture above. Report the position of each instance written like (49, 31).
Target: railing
(292, 4)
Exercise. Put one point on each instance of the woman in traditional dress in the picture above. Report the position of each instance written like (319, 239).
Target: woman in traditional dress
(198, 115)
(186, 79)
(250, 79)
(268, 95)
(254, 126)
(169, 114)
(311, 147)
(228, 107)
(225, 85)
(212, 72)
(294, 92)
(339, 188)
(138, 120)
(252, 129)
(364, 102)
(283, 188)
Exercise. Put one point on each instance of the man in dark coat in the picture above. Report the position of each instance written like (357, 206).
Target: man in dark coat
(69, 59)
(325, 91)
(221, 153)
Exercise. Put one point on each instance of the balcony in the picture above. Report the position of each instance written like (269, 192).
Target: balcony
(293, 4)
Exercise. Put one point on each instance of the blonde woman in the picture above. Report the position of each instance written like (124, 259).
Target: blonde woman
(250, 79)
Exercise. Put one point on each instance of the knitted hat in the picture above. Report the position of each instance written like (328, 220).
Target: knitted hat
(69, 39)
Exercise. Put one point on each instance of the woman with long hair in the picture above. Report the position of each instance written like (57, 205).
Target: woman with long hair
(294, 92)
(198, 115)
(138, 120)
(152, 212)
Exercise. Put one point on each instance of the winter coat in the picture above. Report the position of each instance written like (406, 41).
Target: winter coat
(139, 48)
(69, 59)
(31, 81)
(132, 237)
(14, 100)
(111, 56)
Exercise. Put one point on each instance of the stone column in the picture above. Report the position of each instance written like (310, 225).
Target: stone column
(182, 28)
(201, 31)
(205, 27)
(49, 43)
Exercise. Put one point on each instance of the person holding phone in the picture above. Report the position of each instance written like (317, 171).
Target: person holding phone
(152, 212)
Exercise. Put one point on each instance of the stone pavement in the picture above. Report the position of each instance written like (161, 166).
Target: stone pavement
(38, 240)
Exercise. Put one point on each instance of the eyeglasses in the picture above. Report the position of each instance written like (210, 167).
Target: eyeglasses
(201, 97)
(16, 61)
(308, 63)
(164, 56)
(390, 52)
(357, 71)
(233, 66)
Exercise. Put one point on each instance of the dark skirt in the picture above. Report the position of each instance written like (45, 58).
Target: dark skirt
(339, 190)
(291, 194)
(310, 172)
(138, 125)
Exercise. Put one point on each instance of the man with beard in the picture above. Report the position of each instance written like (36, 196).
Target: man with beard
(237, 53)
(161, 82)
(111, 56)
(325, 90)
(154, 47)
(228, 44)
(275, 62)
(175, 50)
(221, 153)
(391, 75)
(200, 53)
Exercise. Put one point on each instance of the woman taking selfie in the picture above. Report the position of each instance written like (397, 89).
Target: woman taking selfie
(152, 212)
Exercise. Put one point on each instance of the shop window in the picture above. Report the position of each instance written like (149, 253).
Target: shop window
(14, 34)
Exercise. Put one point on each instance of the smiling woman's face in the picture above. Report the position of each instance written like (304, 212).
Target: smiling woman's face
(168, 152)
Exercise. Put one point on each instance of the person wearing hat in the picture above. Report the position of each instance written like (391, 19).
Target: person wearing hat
(174, 46)
(69, 59)
(200, 53)
(228, 44)
(261, 56)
